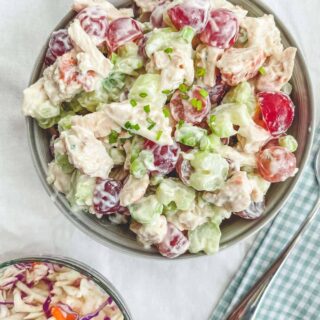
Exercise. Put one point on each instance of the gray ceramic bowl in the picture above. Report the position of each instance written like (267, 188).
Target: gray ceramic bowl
(234, 229)
(87, 271)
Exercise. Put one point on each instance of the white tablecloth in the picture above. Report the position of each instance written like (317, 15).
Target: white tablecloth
(31, 224)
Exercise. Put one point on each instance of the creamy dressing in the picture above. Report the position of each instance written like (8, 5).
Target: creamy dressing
(240, 64)
(60, 180)
(133, 190)
(278, 71)
(206, 58)
(86, 152)
(255, 137)
(234, 196)
(89, 57)
(34, 97)
(98, 122)
(111, 11)
(122, 112)
(263, 33)
(147, 5)
(237, 10)
(152, 233)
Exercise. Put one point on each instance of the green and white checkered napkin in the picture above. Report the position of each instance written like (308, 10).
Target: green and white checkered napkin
(295, 293)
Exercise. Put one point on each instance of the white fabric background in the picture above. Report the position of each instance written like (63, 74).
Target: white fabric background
(31, 224)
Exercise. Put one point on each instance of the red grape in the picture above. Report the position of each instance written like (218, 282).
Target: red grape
(59, 44)
(182, 109)
(121, 31)
(94, 22)
(165, 157)
(193, 13)
(218, 92)
(174, 244)
(255, 211)
(106, 197)
(184, 169)
(276, 164)
(277, 110)
(221, 30)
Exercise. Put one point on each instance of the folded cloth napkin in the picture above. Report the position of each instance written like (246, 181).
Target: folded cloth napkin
(295, 293)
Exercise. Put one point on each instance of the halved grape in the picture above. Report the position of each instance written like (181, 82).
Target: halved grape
(221, 30)
(59, 44)
(277, 110)
(184, 170)
(94, 22)
(191, 106)
(106, 197)
(276, 164)
(174, 244)
(156, 17)
(121, 31)
(165, 157)
(193, 13)
(254, 211)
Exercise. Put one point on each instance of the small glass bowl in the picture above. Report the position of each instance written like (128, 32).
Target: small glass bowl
(82, 268)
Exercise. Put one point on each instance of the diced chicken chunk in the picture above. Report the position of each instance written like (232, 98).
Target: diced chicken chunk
(86, 152)
(112, 12)
(278, 71)
(60, 180)
(176, 69)
(235, 195)
(149, 234)
(133, 190)
(238, 65)
(263, 33)
(97, 122)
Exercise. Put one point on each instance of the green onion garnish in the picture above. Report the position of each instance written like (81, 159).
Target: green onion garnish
(136, 127)
(187, 33)
(201, 72)
(146, 108)
(183, 88)
(159, 134)
(204, 93)
(143, 94)
(262, 71)
(168, 50)
(113, 136)
(166, 112)
(133, 103)
(180, 123)
(196, 104)
(152, 123)
(128, 125)
(167, 92)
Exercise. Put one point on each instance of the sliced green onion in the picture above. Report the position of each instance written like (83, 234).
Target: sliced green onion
(262, 71)
(166, 112)
(133, 103)
(113, 136)
(183, 88)
(201, 72)
(128, 125)
(204, 93)
(146, 109)
(168, 50)
(196, 104)
(167, 92)
(136, 127)
(143, 94)
(180, 123)
(152, 123)
(159, 134)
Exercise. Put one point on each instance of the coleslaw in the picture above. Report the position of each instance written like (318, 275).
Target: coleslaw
(42, 290)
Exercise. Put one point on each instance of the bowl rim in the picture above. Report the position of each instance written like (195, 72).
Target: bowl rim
(240, 237)
(99, 279)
